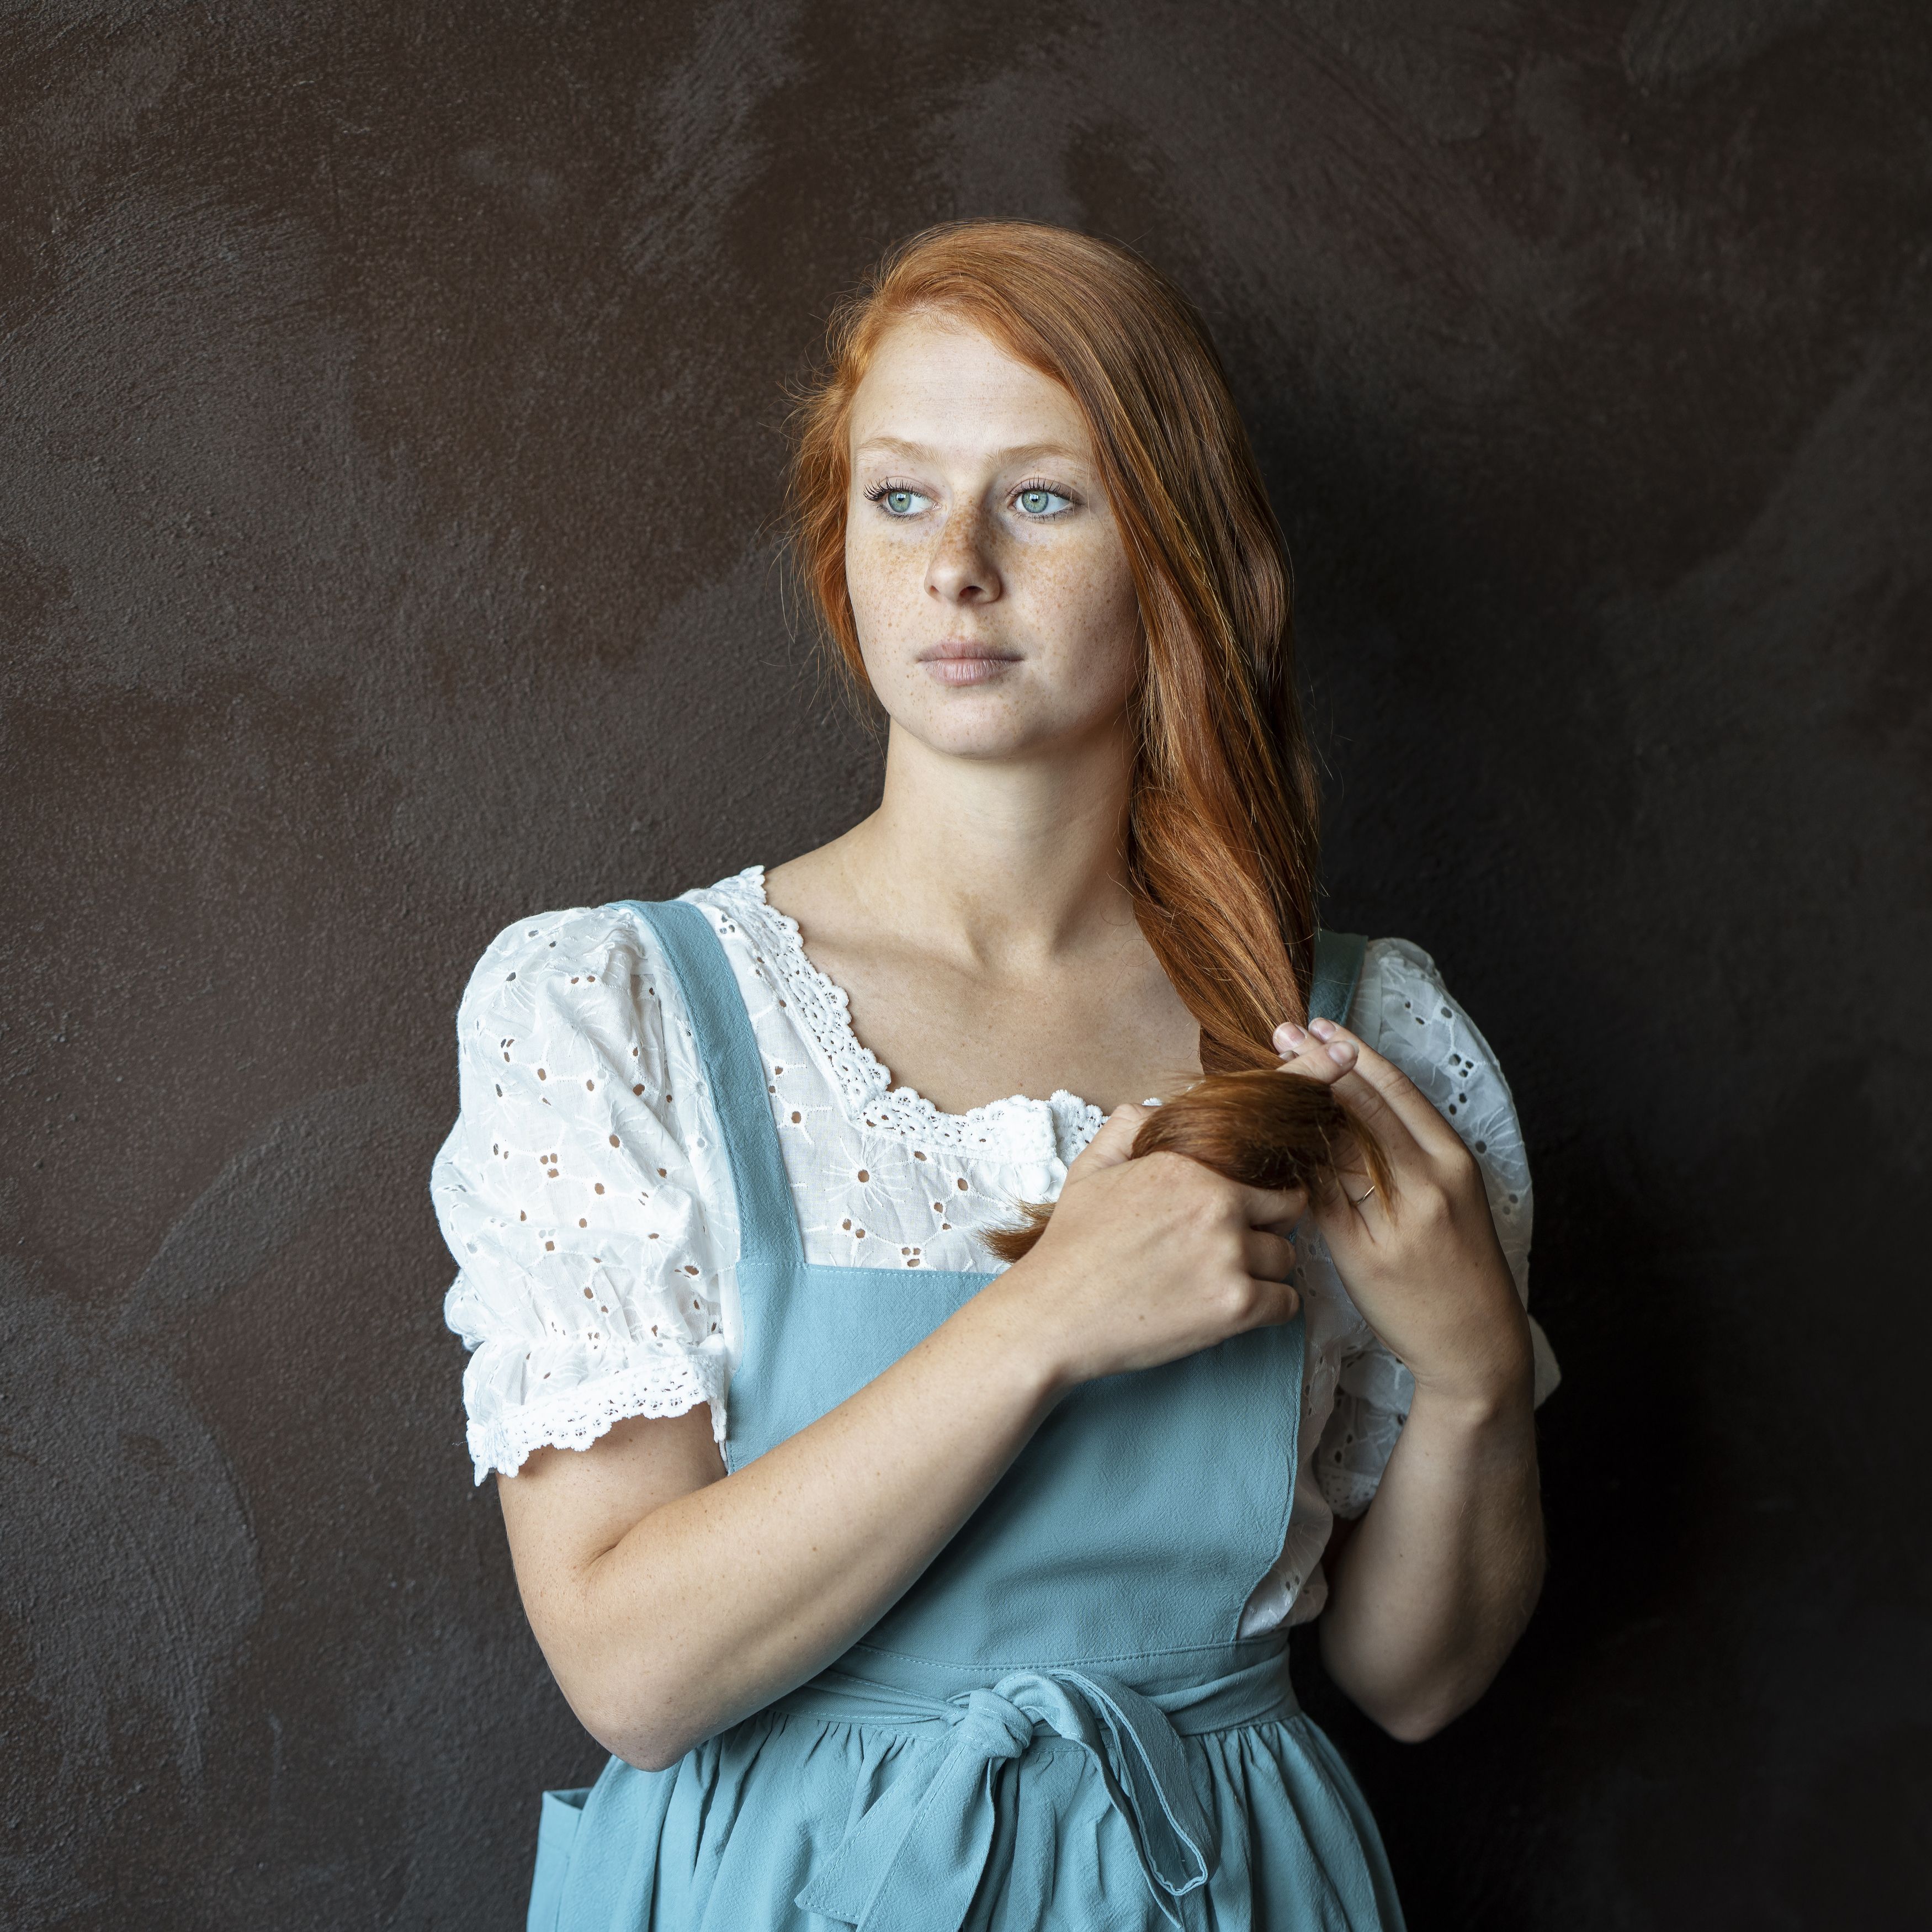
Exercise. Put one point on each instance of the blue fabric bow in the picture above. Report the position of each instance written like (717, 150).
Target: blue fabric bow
(914, 1861)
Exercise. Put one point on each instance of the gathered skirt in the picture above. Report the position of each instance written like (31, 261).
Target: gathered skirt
(725, 1839)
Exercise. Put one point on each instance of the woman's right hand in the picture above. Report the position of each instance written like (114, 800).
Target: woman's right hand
(1147, 1261)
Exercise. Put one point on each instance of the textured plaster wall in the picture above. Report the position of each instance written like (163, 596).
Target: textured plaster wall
(389, 399)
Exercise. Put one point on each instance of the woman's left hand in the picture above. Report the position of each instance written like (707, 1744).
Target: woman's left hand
(1438, 1577)
(1424, 1267)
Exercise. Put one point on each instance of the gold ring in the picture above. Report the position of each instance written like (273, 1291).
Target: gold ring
(1360, 1198)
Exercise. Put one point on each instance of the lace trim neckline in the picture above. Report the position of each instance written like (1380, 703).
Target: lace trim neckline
(863, 1081)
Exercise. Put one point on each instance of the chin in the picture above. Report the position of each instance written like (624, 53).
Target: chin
(991, 732)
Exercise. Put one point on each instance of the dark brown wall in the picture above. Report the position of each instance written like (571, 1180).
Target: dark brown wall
(388, 439)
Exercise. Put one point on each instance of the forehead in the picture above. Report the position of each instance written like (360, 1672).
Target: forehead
(940, 385)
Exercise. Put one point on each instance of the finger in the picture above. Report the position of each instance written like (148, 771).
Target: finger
(1280, 1302)
(1114, 1142)
(1287, 1225)
(1333, 1055)
(1310, 1057)
(1338, 1049)
(1400, 1094)
(1269, 1258)
(1328, 1057)
(1271, 1207)
(1335, 1064)
(1362, 1196)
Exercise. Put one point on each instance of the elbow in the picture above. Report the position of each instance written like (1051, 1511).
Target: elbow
(1413, 1711)
(628, 1702)
(1410, 1705)
(640, 1730)
(1417, 1724)
(645, 1754)
(630, 1712)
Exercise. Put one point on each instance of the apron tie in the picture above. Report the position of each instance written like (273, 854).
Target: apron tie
(914, 1862)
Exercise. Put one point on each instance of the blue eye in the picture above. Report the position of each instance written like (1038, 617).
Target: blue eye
(1037, 500)
(899, 499)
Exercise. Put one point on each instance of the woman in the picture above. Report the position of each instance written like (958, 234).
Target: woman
(908, 1592)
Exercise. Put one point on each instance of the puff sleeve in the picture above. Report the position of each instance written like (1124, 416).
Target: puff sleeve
(1404, 1012)
(579, 1193)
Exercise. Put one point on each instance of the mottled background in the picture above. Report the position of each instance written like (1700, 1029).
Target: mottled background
(390, 424)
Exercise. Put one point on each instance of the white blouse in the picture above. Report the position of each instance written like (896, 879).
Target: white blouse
(585, 1195)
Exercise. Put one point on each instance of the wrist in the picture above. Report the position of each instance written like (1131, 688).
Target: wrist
(1485, 1384)
(1011, 1320)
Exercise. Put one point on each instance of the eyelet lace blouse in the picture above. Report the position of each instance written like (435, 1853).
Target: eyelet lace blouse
(584, 1193)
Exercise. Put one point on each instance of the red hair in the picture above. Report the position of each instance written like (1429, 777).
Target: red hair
(1279, 1131)
(1223, 815)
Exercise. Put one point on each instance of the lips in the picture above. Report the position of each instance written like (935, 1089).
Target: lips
(956, 661)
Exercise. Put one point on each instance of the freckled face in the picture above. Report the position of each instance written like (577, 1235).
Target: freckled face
(996, 611)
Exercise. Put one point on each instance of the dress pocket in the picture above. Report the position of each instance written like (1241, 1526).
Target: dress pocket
(557, 1833)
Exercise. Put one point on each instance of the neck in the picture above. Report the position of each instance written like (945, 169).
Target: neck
(1006, 862)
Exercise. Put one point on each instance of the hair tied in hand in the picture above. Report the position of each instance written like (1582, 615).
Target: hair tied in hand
(1264, 1129)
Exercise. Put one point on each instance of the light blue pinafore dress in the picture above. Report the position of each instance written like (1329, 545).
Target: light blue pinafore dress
(1057, 1726)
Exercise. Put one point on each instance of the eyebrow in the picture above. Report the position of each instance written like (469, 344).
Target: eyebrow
(1028, 452)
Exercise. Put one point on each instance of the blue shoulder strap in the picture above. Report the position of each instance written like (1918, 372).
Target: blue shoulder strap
(734, 1068)
(1338, 971)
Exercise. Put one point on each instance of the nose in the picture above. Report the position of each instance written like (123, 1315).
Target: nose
(961, 569)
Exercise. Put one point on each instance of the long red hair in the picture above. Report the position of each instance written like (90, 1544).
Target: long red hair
(1222, 817)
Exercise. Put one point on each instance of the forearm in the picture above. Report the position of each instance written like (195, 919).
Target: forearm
(1435, 1584)
(716, 1603)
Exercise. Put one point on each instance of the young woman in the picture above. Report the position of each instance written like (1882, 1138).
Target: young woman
(908, 1592)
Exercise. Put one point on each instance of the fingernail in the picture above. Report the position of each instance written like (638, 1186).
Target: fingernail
(1342, 1053)
(1288, 1031)
(1322, 1029)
